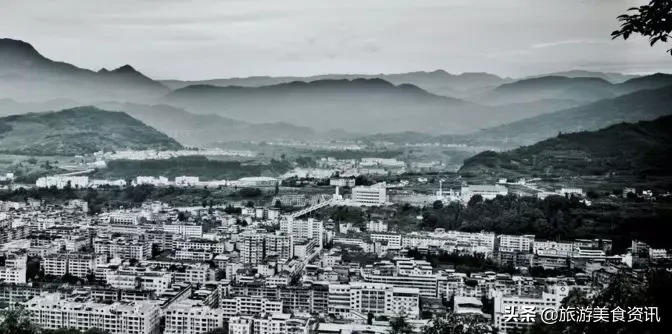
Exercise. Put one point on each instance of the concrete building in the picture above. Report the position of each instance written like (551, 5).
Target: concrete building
(190, 317)
(240, 325)
(376, 226)
(553, 248)
(304, 229)
(524, 308)
(50, 311)
(124, 248)
(186, 181)
(486, 191)
(158, 282)
(14, 270)
(60, 182)
(251, 247)
(185, 230)
(370, 196)
(406, 274)
(249, 306)
(515, 243)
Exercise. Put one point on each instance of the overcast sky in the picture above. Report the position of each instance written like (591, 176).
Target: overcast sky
(201, 39)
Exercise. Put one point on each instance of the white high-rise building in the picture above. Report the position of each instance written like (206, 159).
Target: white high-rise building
(515, 243)
(50, 311)
(376, 298)
(304, 229)
(251, 247)
(249, 306)
(14, 270)
(241, 325)
(185, 230)
(186, 317)
(370, 196)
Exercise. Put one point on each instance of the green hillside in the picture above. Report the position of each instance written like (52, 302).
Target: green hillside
(78, 131)
(641, 148)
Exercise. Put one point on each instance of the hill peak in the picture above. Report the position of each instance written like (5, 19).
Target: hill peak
(17, 49)
(125, 69)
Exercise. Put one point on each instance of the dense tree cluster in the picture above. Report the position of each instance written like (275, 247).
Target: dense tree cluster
(553, 218)
(205, 168)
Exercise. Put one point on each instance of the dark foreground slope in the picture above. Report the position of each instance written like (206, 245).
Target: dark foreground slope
(78, 131)
(641, 148)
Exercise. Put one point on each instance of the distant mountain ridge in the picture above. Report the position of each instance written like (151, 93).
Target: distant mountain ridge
(579, 89)
(638, 106)
(437, 82)
(612, 77)
(187, 128)
(78, 131)
(641, 148)
(27, 75)
(356, 105)
(206, 129)
(256, 108)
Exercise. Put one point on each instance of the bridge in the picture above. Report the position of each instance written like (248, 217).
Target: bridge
(312, 208)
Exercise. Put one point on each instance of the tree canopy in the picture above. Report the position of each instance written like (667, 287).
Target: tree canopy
(653, 21)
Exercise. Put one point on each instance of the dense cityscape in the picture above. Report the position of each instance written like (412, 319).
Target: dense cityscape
(335, 167)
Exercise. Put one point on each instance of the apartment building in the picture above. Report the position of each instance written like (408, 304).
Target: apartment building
(124, 248)
(185, 230)
(409, 274)
(195, 273)
(392, 240)
(75, 264)
(191, 317)
(515, 243)
(304, 248)
(145, 280)
(553, 248)
(381, 299)
(50, 311)
(280, 323)
(203, 244)
(280, 245)
(240, 325)
(376, 226)
(249, 306)
(369, 196)
(200, 255)
(537, 301)
(304, 229)
(311, 298)
(14, 270)
(251, 247)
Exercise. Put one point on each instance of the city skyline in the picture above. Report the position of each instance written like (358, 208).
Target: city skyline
(207, 39)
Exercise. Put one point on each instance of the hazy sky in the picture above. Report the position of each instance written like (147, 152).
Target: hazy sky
(199, 39)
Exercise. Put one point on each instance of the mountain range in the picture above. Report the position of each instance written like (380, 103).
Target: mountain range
(438, 105)
(641, 148)
(357, 105)
(78, 131)
(437, 82)
(26, 75)
(641, 105)
(579, 89)
(612, 77)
